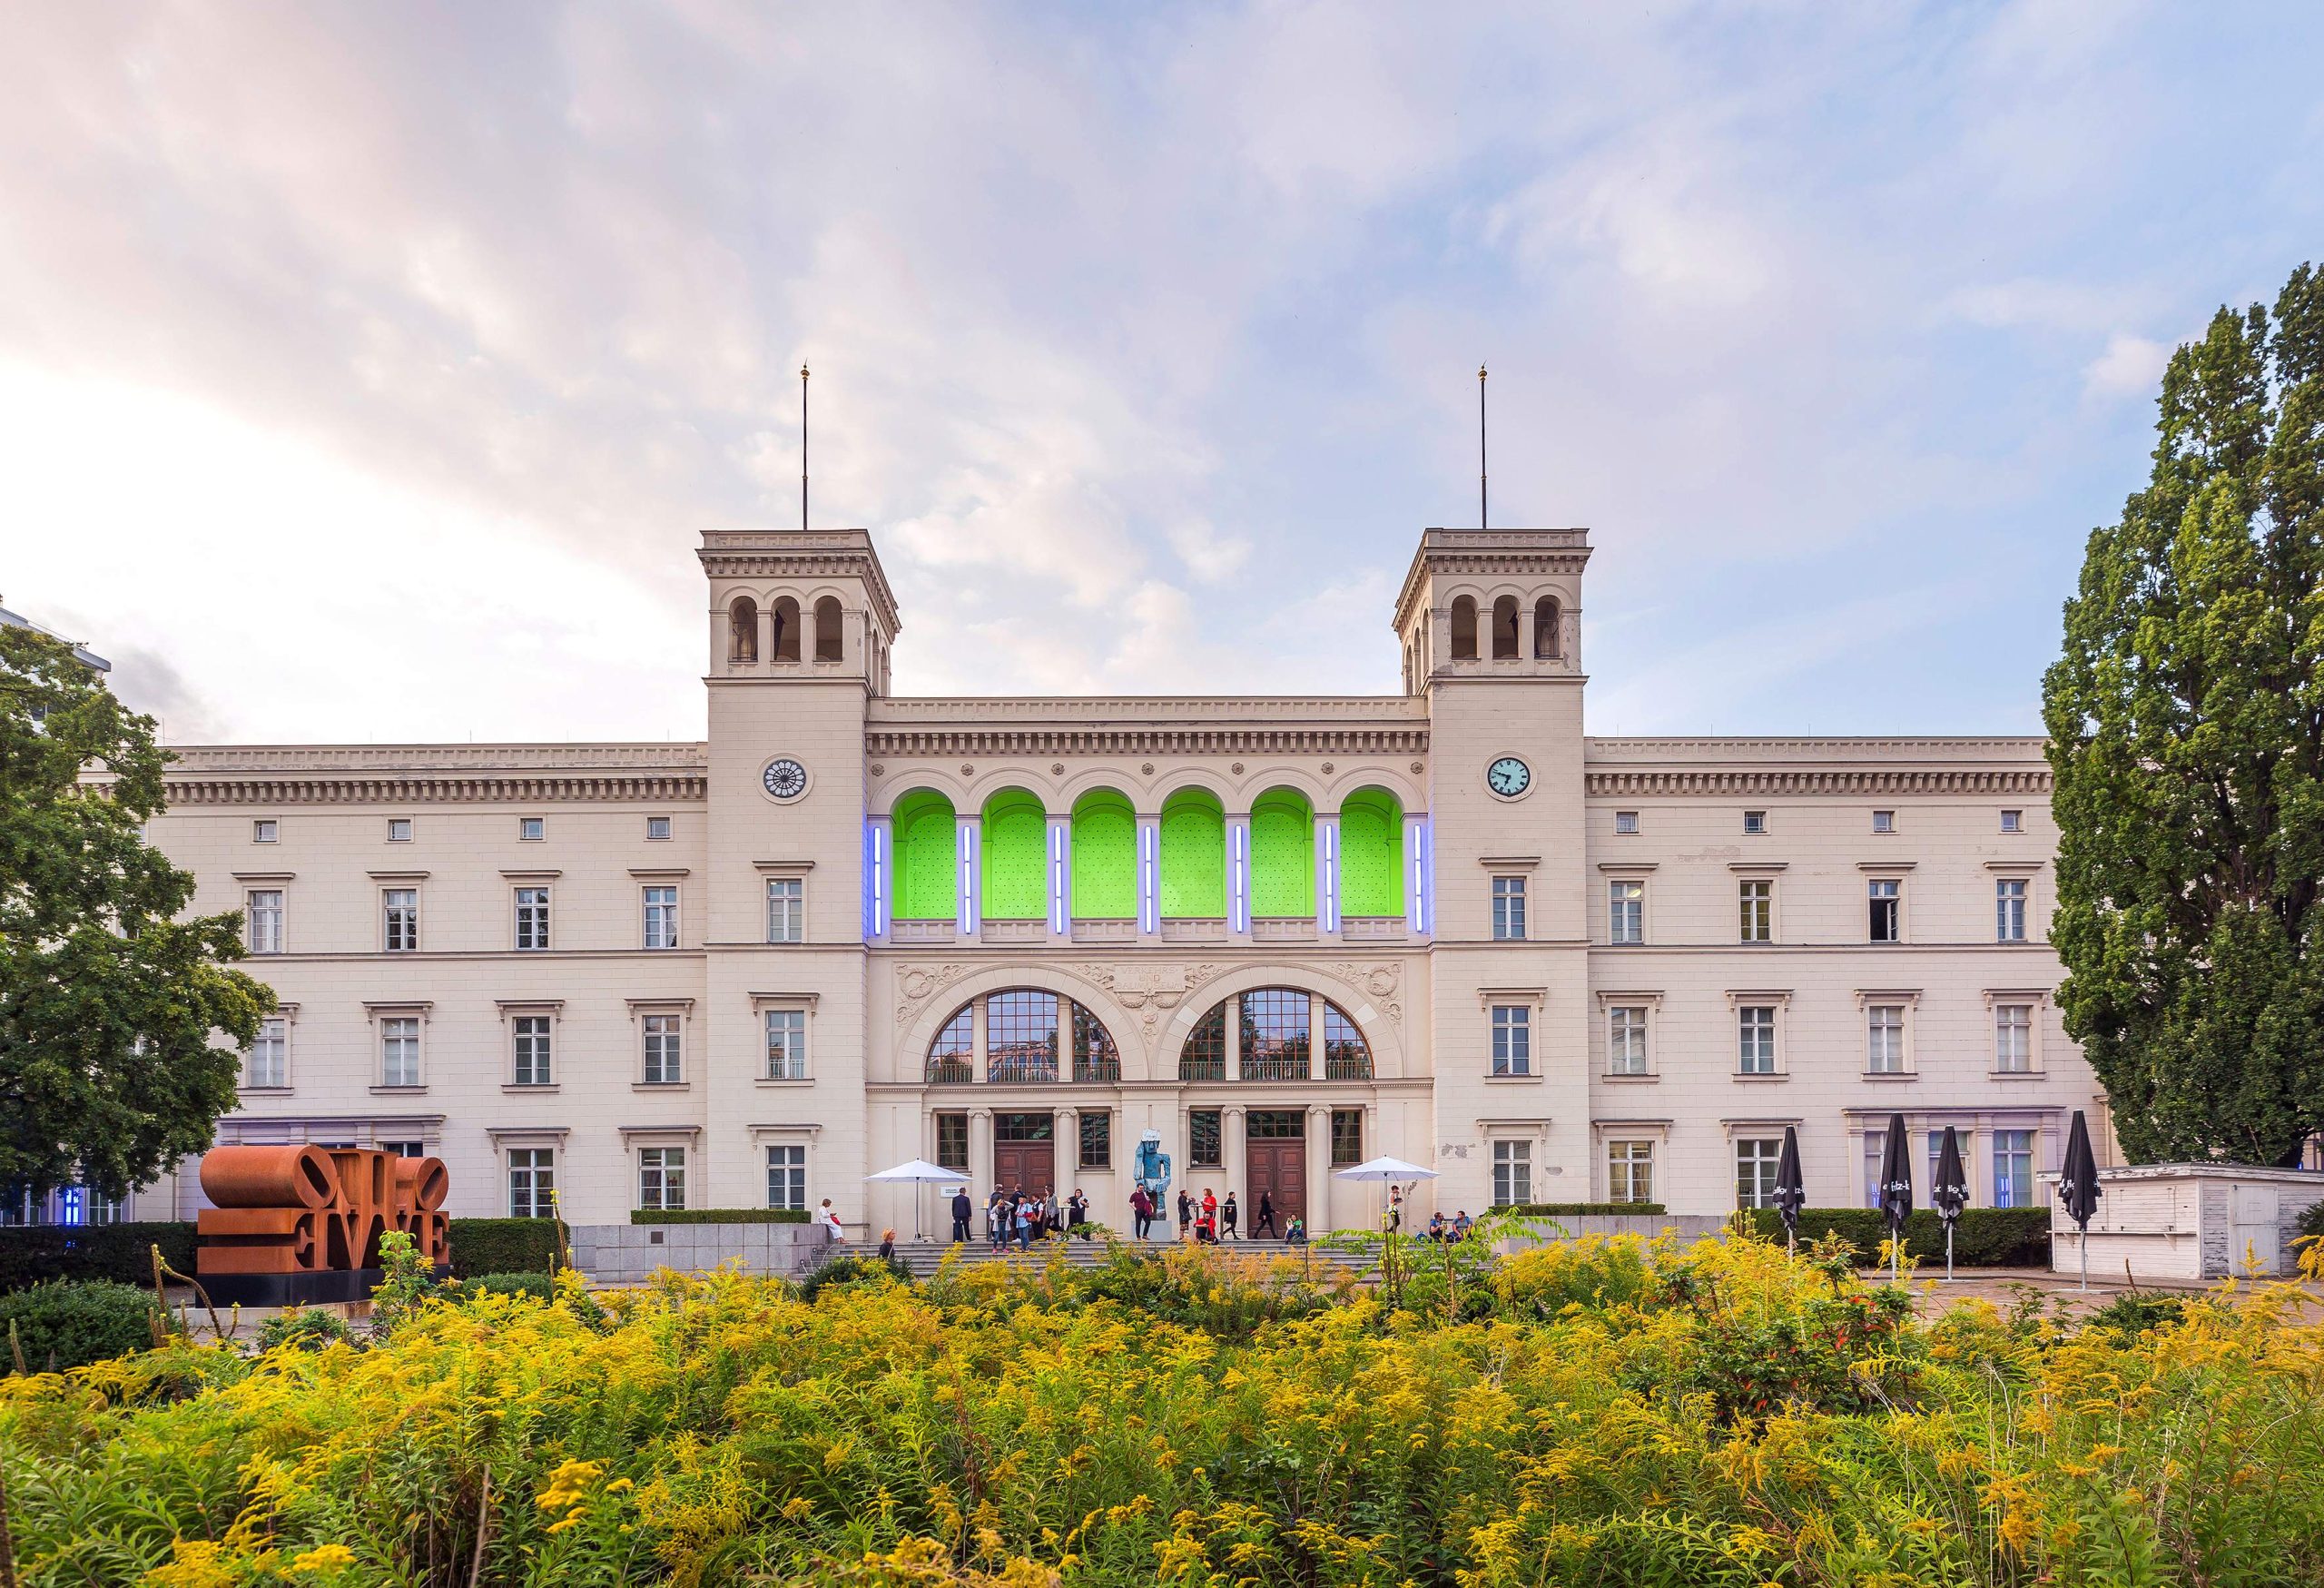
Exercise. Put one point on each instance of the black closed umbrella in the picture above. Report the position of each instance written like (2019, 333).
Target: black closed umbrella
(1950, 1193)
(1791, 1190)
(1896, 1189)
(2078, 1191)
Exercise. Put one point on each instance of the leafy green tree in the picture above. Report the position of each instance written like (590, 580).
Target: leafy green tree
(111, 1009)
(2186, 723)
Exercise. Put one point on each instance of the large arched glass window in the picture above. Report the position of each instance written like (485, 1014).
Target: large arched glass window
(1283, 854)
(1030, 1037)
(1016, 861)
(1194, 856)
(1270, 1034)
(1372, 854)
(1549, 637)
(1464, 628)
(926, 841)
(1105, 857)
(1504, 629)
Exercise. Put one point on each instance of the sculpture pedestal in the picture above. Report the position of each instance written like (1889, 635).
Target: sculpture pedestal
(311, 1288)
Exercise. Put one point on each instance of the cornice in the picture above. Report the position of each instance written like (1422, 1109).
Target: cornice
(1217, 739)
(747, 554)
(1742, 781)
(576, 788)
(1486, 553)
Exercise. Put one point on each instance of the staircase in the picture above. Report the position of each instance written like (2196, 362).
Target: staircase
(922, 1256)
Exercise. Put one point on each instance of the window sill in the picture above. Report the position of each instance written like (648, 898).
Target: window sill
(1630, 1080)
(786, 1081)
(529, 1086)
(1891, 1075)
(2013, 1074)
(1759, 1075)
(1504, 1080)
(397, 1091)
(661, 1086)
(267, 1091)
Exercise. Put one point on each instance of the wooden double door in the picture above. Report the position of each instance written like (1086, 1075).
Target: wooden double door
(1024, 1152)
(1276, 1165)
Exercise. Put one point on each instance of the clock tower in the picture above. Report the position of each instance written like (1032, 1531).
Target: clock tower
(1490, 627)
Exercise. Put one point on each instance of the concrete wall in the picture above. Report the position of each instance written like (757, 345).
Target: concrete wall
(629, 1254)
(2187, 1222)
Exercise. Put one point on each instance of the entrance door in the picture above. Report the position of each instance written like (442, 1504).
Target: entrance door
(1277, 1153)
(1024, 1152)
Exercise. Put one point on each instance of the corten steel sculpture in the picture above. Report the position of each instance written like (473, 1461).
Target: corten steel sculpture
(299, 1224)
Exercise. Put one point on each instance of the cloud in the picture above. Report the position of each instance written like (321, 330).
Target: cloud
(1209, 556)
(2131, 366)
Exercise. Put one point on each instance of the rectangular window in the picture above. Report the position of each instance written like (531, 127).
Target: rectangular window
(2012, 1169)
(1625, 911)
(1936, 1157)
(269, 1063)
(1626, 1040)
(1755, 1035)
(786, 1044)
(1626, 822)
(399, 1051)
(1883, 1033)
(660, 917)
(1884, 821)
(532, 1182)
(2009, 910)
(1347, 1137)
(532, 1066)
(786, 1176)
(1096, 1139)
(1754, 1171)
(664, 1045)
(2013, 821)
(952, 1141)
(786, 909)
(1756, 907)
(265, 832)
(532, 918)
(1512, 1038)
(531, 829)
(1755, 822)
(1508, 909)
(1885, 898)
(1629, 1171)
(1203, 1138)
(661, 1179)
(2012, 1038)
(398, 829)
(657, 829)
(262, 912)
(403, 1149)
(402, 924)
(1512, 1173)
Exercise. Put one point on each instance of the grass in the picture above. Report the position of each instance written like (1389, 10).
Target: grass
(1601, 1412)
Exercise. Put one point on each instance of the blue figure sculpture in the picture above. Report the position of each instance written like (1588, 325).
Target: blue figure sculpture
(1153, 1170)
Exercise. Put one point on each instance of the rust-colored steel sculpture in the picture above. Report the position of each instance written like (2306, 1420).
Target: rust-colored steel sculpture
(286, 1212)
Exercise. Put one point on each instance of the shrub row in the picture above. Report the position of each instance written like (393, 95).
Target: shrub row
(52, 1328)
(502, 1246)
(1987, 1238)
(720, 1216)
(120, 1252)
(1584, 1209)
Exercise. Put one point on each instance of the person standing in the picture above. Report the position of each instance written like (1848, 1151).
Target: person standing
(1229, 1217)
(1265, 1218)
(999, 1216)
(1141, 1212)
(1186, 1213)
(962, 1211)
(1028, 1212)
(1394, 1219)
(1076, 1212)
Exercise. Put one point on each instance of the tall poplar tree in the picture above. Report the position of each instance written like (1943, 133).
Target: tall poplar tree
(2186, 723)
(120, 1020)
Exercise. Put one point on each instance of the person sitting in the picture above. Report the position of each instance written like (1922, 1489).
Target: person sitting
(1462, 1225)
(1436, 1226)
(1295, 1232)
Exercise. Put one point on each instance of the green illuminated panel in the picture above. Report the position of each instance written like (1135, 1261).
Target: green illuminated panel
(1371, 854)
(1105, 857)
(925, 837)
(1016, 851)
(1283, 854)
(1194, 857)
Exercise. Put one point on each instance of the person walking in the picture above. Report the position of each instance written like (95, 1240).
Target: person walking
(1265, 1218)
(1141, 1212)
(1186, 1213)
(1229, 1215)
(962, 1211)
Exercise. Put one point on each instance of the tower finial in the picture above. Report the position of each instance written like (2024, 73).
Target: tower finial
(1484, 519)
(802, 446)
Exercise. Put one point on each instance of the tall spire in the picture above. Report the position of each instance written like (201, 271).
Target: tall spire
(802, 447)
(1485, 520)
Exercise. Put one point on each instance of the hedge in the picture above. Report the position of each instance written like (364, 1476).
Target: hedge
(120, 1252)
(71, 1325)
(1986, 1238)
(502, 1246)
(720, 1216)
(1584, 1210)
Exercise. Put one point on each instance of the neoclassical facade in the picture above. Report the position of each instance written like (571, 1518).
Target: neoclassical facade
(1013, 936)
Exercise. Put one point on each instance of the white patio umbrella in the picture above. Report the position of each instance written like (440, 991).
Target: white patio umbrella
(918, 1172)
(1394, 1171)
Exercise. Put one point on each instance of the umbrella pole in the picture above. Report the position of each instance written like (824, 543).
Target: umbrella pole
(1948, 1250)
(2084, 1242)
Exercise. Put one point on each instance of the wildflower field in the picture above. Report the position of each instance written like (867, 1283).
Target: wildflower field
(1597, 1413)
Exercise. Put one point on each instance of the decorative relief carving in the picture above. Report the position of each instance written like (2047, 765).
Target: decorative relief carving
(916, 984)
(1380, 982)
(1149, 991)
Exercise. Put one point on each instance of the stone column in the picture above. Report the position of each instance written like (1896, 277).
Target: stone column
(1149, 876)
(1060, 864)
(1234, 1060)
(1068, 1154)
(1524, 631)
(967, 870)
(1238, 877)
(1319, 1167)
(980, 1170)
(1233, 1155)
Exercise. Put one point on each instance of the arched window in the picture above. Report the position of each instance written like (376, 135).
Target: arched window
(1464, 628)
(927, 843)
(743, 631)
(1028, 1032)
(786, 629)
(1549, 637)
(827, 634)
(1275, 1031)
(1504, 629)
(1015, 863)
(1105, 857)
(1372, 854)
(1194, 856)
(1283, 854)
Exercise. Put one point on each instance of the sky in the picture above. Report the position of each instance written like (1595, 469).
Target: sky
(367, 372)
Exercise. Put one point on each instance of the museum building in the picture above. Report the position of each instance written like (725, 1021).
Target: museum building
(1014, 936)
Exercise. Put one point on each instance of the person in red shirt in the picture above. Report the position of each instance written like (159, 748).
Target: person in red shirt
(1207, 1224)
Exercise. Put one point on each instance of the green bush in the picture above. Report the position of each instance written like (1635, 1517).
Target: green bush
(720, 1216)
(302, 1329)
(2135, 1314)
(539, 1287)
(502, 1246)
(1986, 1238)
(1584, 1210)
(73, 1322)
(122, 1252)
(842, 1267)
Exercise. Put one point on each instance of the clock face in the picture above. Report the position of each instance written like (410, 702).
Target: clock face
(785, 778)
(1508, 777)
